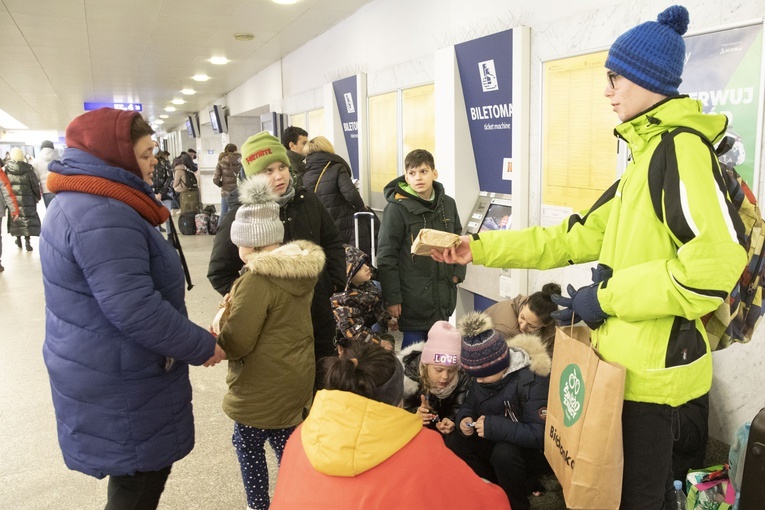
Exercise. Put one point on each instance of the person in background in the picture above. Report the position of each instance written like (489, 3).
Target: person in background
(226, 175)
(7, 158)
(527, 314)
(294, 140)
(358, 449)
(26, 187)
(418, 291)
(330, 177)
(7, 201)
(268, 336)
(182, 181)
(304, 217)
(118, 341)
(162, 183)
(435, 386)
(189, 158)
(502, 421)
(360, 306)
(666, 258)
(47, 154)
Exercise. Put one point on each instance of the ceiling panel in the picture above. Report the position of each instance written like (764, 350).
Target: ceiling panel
(57, 54)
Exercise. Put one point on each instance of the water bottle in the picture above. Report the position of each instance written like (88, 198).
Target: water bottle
(679, 495)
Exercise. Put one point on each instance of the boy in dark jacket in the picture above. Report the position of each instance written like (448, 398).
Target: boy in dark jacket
(418, 290)
(501, 424)
(360, 306)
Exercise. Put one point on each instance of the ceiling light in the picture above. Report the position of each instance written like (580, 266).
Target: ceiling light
(178, 100)
(200, 77)
(9, 122)
(164, 116)
(159, 121)
(244, 37)
(219, 61)
(285, 2)
(169, 108)
(188, 92)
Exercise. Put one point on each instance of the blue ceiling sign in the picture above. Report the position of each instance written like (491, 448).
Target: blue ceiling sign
(133, 107)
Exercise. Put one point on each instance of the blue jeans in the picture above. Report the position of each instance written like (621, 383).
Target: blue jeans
(412, 337)
(223, 209)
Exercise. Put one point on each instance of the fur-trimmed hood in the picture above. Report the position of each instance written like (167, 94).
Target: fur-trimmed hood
(539, 361)
(293, 266)
(410, 359)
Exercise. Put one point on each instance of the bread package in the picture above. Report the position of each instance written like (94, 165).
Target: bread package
(430, 239)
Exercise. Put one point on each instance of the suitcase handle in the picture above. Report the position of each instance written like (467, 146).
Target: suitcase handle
(356, 217)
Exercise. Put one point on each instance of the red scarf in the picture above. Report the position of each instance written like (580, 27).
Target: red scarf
(151, 210)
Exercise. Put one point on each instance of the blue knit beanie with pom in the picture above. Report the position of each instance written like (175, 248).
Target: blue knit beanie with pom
(653, 53)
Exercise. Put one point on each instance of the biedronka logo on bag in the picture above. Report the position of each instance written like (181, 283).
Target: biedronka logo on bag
(572, 394)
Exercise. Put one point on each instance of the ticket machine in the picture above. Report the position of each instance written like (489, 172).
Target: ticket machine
(493, 211)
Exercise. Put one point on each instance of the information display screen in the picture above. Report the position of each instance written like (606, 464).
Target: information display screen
(498, 217)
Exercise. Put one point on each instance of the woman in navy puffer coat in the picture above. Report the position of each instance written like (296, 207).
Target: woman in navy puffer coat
(117, 338)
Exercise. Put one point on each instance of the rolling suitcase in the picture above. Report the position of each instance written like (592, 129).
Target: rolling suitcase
(371, 250)
(190, 202)
(752, 494)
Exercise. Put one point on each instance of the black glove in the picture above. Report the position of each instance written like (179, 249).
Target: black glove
(583, 303)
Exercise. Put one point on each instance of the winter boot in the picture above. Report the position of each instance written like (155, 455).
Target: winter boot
(28, 244)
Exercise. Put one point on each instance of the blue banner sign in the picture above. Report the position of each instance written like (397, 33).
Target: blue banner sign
(346, 96)
(722, 70)
(486, 73)
(133, 107)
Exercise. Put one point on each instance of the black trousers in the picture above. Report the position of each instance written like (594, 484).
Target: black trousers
(511, 467)
(647, 435)
(140, 491)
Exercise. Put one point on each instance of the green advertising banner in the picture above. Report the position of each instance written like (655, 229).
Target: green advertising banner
(723, 71)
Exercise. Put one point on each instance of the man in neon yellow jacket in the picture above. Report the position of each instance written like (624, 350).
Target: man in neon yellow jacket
(666, 240)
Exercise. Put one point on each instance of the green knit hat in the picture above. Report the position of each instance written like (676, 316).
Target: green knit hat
(261, 150)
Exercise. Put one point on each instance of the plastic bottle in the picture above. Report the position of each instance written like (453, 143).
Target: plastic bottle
(679, 495)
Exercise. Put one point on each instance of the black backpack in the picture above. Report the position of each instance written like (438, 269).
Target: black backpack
(191, 180)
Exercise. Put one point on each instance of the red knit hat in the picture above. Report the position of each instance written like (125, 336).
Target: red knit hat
(105, 133)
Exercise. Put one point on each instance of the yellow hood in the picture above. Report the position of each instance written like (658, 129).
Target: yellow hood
(347, 434)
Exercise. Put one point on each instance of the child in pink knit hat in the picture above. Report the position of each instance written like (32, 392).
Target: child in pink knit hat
(434, 384)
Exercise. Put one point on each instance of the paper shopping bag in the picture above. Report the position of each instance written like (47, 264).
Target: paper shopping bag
(583, 434)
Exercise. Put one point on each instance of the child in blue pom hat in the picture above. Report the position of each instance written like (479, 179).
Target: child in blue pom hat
(667, 240)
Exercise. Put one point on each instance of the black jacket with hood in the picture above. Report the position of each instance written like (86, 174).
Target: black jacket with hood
(516, 406)
(338, 194)
(423, 287)
(26, 187)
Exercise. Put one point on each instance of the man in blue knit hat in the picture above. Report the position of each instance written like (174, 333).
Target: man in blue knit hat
(667, 240)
